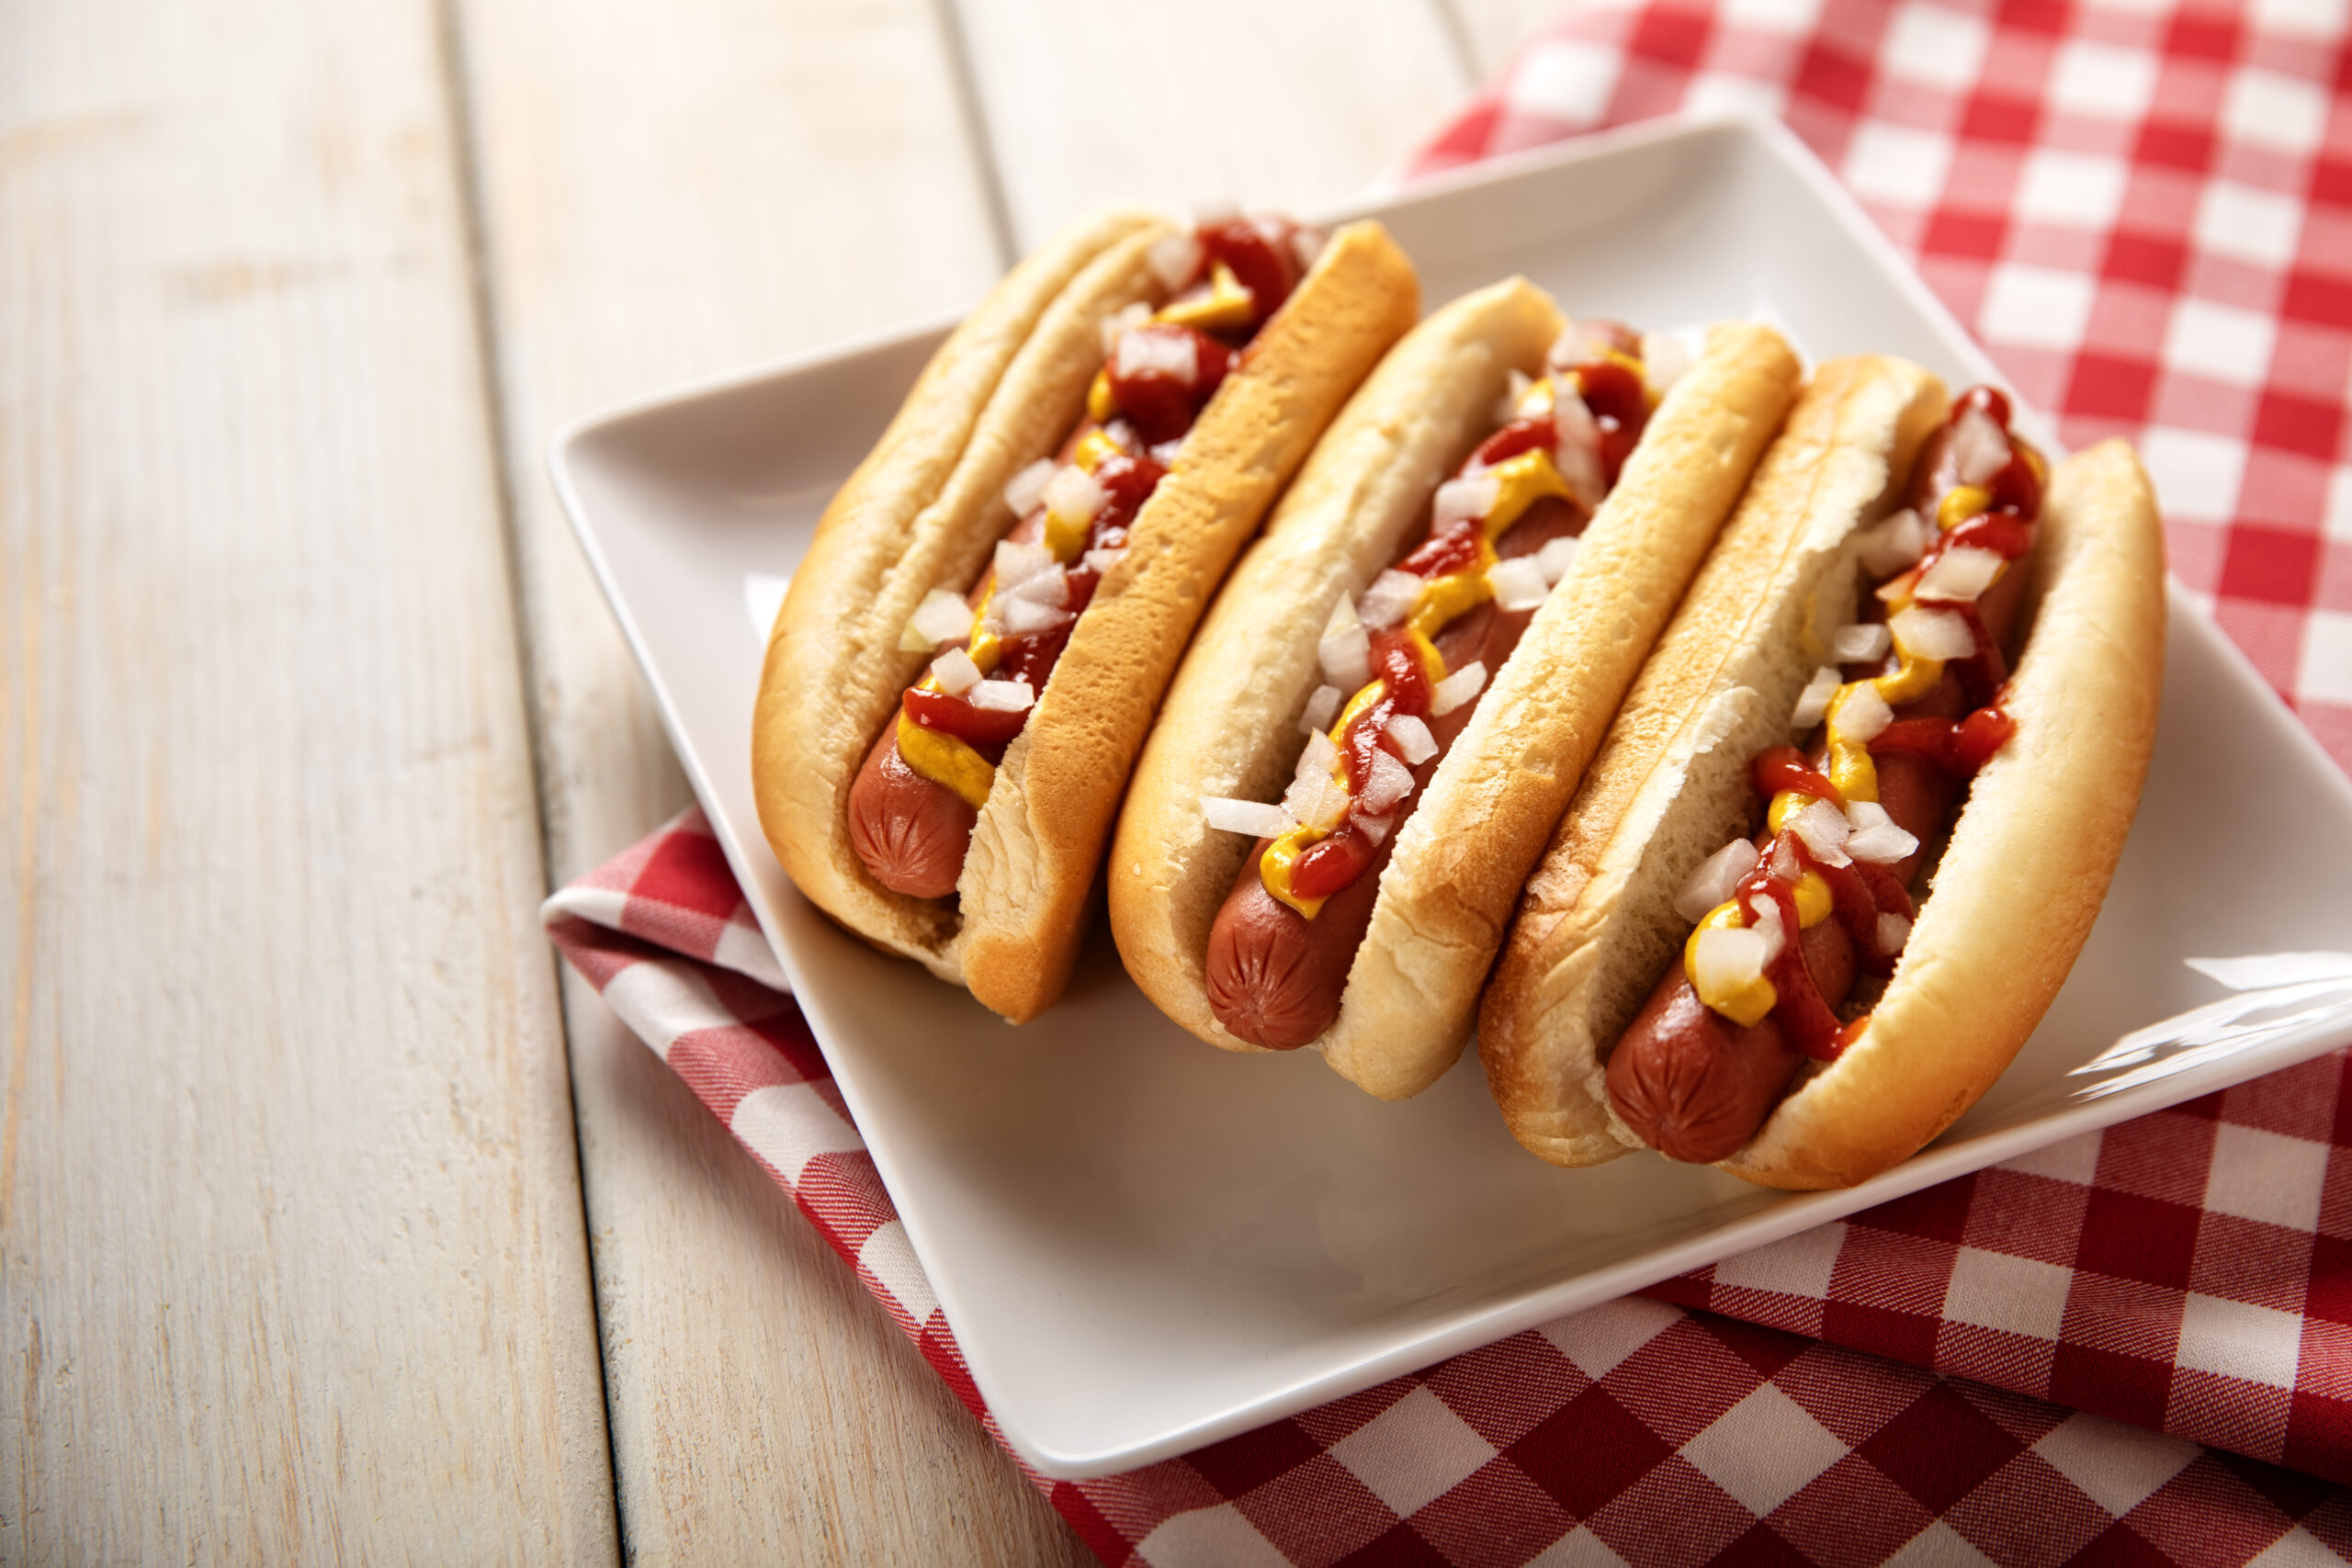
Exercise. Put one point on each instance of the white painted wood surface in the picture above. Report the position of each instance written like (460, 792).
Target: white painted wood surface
(295, 1257)
(293, 1263)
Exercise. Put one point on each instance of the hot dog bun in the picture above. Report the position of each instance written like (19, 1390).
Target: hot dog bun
(2041, 830)
(1230, 727)
(926, 509)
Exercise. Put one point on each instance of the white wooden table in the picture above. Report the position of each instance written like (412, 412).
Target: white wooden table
(332, 1222)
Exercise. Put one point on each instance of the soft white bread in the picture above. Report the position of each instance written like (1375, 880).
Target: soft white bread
(1596, 925)
(1230, 725)
(2031, 856)
(1232, 722)
(925, 511)
(2042, 831)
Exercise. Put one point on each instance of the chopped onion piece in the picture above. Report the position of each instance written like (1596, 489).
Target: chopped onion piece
(1893, 544)
(1306, 244)
(1345, 650)
(1557, 556)
(1578, 341)
(1027, 488)
(1016, 564)
(1813, 701)
(1252, 818)
(1391, 782)
(1517, 583)
(1390, 598)
(1414, 741)
(943, 616)
(1932, 634)
(1717, 878)
(1461, 499)
(1173, 355)
(1979, 449)
(1513, 390)
(955, 672)
(1321, 709)
(1317, 801)
(1050, 588)
(1457, 688)
(1100, 562)
(1728, 958)
(1075, 495)
(1026, 617)
(1664, 358)
(1894, 931)
(1863, 643)
(1316, 759)
(1002, 696)
(1766, 923)
(1173, 259)
(1576, 443)
(1960, 574)
(1374, 827)
(1863, 715)
(1785, 862)
(1119, 322)
(1824, 828)
(1875, 837)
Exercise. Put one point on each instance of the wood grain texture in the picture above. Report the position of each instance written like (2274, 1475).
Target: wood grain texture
(1287, 106)
(671, 190)
(294, 1267)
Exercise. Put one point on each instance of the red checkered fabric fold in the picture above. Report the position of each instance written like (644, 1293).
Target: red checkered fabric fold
(2133, 1346)
(2190, 1272)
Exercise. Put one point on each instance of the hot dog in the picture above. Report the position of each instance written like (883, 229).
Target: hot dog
(1414, 609)
(1794, 1006)
(967, 661)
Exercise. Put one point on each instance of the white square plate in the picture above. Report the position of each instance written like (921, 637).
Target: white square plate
(1144, 1245)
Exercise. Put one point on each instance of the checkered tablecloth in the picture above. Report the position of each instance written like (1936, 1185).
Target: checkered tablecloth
(2134, 1346)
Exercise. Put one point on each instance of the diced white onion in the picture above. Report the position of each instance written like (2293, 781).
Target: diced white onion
(1306, 244)
(1050, 588)
(1414, 741)
(1513, 390)
(1002, 696)
(1824, 828)
(1784, 862)
(1875, 837)
(1075, 496)
(1557, 556)
(1016, 564)
(1894, 931)
(1027, 488)
(1376, 829)
(1517, 583)
(1766, 922)
(1173, 355)
(1578, 341)
(1862, 712)
(1865, 642)
(1252, 818)
(1576, 443)
(1893, 543)
(1932, 634)
(955, 672)
(1389, 599)
(1461, 499)
(1813, 701)
(1979, 450)
(1100, 562)
(1715, 881)
(1119, 322)
(1391, 782)
(1345, 648)
(1026, 617)
(1173, 259)
(1316, 759)
(1457, 688)
(1665, 356)
(1960, 574)
(943, 616)
(1321, 709)
(1727, 958)
(1317, 800)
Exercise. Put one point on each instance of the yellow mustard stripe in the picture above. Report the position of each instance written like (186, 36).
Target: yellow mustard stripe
(1228, 305)
(944, 760)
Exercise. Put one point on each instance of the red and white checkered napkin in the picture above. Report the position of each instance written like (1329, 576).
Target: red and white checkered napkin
(2142, 208)
(2189, 1273)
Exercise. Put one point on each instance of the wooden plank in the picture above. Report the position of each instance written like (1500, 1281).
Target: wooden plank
(1285, 107)
(294, 1264)
(671, 190)
(1495, 29)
